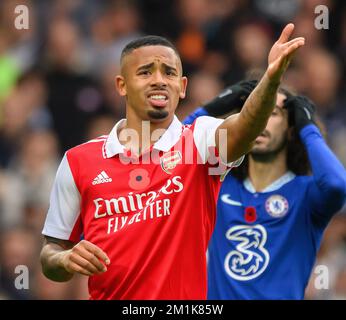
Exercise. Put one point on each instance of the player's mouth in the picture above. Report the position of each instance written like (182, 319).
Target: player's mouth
(158, 99)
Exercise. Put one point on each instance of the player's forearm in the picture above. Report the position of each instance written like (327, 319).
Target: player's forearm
(252, 120)
(52, 263)
(328, 172)
(257, 108)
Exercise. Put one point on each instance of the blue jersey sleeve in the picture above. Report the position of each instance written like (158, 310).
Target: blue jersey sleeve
(327, 192)
(193, 116)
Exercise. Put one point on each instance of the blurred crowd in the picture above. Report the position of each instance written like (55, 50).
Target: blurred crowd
(57, 90)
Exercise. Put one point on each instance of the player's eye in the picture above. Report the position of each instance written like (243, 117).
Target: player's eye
(144, 72)
(171, 73)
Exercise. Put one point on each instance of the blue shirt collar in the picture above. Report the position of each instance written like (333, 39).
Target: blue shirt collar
(277, 184)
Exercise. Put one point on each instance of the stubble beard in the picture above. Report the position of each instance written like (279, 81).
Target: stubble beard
(266, 156)
(157, 114)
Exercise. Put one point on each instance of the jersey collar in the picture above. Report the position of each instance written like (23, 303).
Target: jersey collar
(171, 136)
(287, 177)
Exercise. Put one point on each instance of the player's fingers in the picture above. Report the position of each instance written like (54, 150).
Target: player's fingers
(83, 264)
(287, 58)
(87, 255)
(98, 252)
(293, 41)
(286, 33)
(292, 48)
(279, 66)
(77, 268)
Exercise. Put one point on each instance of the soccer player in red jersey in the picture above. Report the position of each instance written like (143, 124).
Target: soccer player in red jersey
(143, 198)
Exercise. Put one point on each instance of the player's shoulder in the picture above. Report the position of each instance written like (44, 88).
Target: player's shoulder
(302, 179)
(93, 145)
(232, 181)
(204, 123)
(299, 182)
(206, 119)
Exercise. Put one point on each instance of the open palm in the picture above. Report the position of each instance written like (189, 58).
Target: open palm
(282, 51)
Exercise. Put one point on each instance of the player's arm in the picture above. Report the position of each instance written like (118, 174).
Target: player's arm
(61, 259)
(231, 99)
(63, 254)
(235, 136)
(328, 192)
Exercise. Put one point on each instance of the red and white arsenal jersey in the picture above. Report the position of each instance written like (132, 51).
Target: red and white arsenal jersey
(152, 215)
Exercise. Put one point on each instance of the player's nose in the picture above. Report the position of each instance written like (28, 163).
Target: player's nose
(158, 79)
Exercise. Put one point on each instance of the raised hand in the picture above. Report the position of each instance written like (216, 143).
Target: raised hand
(281, 53)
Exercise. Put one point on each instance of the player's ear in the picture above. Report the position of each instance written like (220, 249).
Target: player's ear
(183, 85)
(120, 85)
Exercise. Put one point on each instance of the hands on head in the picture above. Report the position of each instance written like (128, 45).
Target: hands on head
(301, 110)
(230, 99)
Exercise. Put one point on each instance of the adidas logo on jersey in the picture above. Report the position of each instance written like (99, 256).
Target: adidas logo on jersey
(102, 178)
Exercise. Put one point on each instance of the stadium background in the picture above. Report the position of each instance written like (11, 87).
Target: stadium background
(57, 90)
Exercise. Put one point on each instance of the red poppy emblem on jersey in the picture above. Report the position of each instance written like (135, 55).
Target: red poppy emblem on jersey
(250, 214)
(170, 160)
(139, 179)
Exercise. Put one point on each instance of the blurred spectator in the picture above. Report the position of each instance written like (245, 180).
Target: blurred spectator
(15, 122)
(304, 26)
(341, 46)
(27, 182)
(321, 72)
(332, 255)
(21, 44)
(113, 101)
(18, 246)
(252, 43)
(25, 108)
(191, 43)
(99, 126)
(281, 11)
(211, 85)
(322, 79)
(111, 31)
(33, 87)
(72, 94)
(338, 143)
(8, 70)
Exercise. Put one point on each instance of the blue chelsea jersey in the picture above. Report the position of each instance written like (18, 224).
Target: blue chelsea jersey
(265, 243)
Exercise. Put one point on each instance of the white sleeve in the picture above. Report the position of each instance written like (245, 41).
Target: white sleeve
(204, 138)
(64, 207)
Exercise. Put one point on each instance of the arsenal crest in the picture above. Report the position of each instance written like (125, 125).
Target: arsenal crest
(170, 160)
